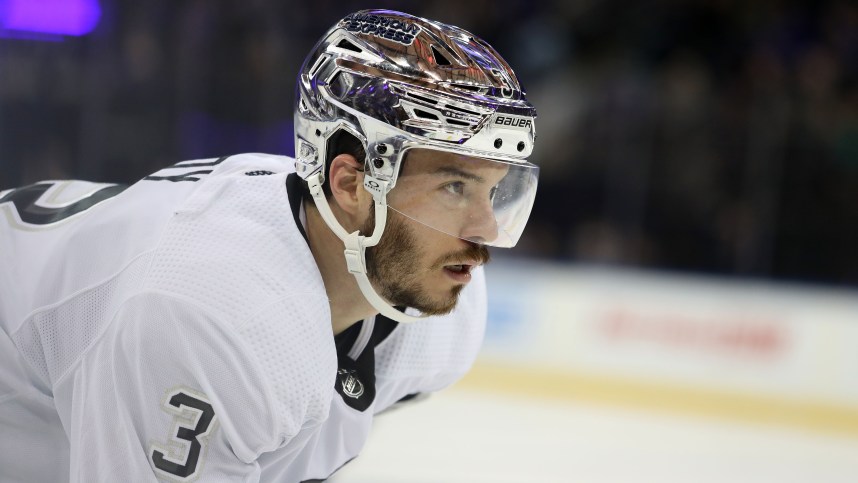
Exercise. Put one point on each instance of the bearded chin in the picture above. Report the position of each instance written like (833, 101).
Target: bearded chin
(390, 268)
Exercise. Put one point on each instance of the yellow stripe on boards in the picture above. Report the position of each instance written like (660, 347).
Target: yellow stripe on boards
(664, 397)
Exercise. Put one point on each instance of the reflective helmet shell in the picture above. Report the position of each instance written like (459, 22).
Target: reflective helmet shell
(396, 81)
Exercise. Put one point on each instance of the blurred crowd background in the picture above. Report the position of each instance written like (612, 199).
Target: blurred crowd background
(709, 136)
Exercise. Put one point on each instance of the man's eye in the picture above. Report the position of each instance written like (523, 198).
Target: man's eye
(456, 188)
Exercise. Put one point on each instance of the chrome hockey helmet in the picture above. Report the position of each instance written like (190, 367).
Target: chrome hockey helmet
(397, 83)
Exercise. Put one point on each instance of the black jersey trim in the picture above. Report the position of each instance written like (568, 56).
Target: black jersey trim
(409, 397)
(346, 339)
(192, 176)
(355, 381)
(195, 165)
(24, 199)
(293, 192)
(332, 473)
(180, 177)
(383, 328)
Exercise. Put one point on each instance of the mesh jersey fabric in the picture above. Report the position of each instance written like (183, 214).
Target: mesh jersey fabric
(195, 281)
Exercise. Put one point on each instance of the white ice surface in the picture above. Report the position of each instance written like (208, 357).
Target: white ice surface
(463, 435)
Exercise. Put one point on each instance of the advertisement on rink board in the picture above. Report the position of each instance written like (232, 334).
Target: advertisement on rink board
(740, 336)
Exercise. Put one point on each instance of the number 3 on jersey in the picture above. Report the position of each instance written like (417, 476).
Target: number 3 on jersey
(180, 459)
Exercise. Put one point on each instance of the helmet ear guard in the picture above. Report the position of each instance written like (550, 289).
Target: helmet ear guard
(398, 82)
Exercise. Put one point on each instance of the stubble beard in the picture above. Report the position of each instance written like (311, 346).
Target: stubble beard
(392, 267)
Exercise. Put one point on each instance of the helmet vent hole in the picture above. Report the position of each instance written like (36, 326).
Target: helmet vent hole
(425, 115)
(464, 111)
(467, 87)
(440, 59)
(318, 65)
(498, 143)
(422, 98)
(345, 44)
(336, 86)
(520, 146)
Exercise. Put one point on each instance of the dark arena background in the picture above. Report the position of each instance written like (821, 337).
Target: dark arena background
(691, 259)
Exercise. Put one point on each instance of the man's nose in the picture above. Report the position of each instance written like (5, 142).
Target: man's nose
(481, 225)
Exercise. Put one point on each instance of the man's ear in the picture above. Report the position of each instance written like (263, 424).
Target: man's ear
(346, 181)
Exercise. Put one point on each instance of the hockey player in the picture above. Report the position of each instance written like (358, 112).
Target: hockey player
(243, 318)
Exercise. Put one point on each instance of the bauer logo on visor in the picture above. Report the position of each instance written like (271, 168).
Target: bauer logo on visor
(512, 121)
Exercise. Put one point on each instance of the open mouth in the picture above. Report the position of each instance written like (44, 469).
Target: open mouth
(459, 268)
(460, 272)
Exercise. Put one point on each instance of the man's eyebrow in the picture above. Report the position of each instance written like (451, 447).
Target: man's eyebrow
(454, 171)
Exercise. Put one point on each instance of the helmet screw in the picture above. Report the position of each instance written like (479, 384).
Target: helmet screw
(381, 148)
(498, 143)
(520, 146)
(378, 162)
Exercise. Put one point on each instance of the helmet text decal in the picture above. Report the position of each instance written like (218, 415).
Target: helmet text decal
(391, 29)
(513, 121)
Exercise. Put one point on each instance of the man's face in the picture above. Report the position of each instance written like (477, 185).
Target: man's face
(441, 200)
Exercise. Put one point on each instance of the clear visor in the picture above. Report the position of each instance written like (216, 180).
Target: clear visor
(480, 200)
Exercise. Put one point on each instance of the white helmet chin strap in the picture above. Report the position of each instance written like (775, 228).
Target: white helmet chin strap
(356, 243)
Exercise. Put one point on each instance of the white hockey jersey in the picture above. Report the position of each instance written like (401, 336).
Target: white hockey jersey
(178, 330)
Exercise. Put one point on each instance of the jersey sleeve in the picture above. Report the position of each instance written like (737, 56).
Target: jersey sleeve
(170, 393)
